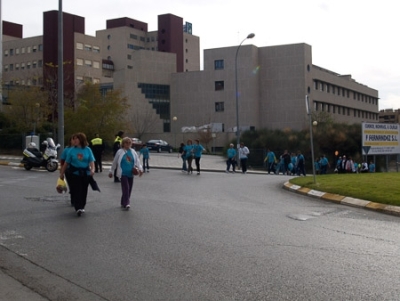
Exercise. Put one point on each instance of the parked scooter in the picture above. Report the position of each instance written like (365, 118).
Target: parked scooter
(34, 158)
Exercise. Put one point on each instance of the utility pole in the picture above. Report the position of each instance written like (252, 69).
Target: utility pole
(60, 78)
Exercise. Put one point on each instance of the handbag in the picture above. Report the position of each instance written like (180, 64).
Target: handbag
(61, 186)
(135, 170)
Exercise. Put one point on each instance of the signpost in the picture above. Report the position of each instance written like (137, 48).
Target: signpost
(380, 138)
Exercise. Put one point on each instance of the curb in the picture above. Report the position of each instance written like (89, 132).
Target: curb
(343, 200)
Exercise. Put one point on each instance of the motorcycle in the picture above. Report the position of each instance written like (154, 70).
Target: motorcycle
(34, 158)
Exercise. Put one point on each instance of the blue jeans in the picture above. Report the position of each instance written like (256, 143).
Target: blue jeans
(183, 163)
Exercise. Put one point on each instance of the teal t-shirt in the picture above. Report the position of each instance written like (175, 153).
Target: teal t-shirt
(231, 153)
(127, 164)
(198, 149)
(80, 158)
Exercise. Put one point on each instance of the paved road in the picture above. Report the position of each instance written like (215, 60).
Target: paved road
(215, 236)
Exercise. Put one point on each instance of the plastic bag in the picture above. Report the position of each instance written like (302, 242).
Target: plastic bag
(61, 186)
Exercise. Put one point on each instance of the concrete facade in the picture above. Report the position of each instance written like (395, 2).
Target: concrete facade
(389, 116)
(272, 84)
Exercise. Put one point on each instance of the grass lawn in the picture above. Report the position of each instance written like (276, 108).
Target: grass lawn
(376, 187)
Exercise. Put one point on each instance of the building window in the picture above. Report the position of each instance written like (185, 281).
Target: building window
(338, 109)
(5, 68)
(96, 80)
(79, 46)
(40, 63)
(88, 63)
(96, 49)
(142, 39)
(79, 80)
(130, 67)
(16, 51)
(219, 85)
(11, 67)
(96, 64)
(16, 66)
(129, 56)
(218, 64)
(108, 37)
(316, 106)
(328, 88)
(5, 52)
(28, 49)
(11, 52)
(22, 66)
(79, 62)
(322, 86)
(219, 106)
(333, 109)
(23, 50)
(40, 47)
(133, 36)
(88, 47)
(34, 49)
(34, 64)
(333, 90)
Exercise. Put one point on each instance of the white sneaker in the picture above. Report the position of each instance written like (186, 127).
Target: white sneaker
(127, 207)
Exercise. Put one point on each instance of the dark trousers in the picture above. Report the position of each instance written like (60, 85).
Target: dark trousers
(243, 163)
(98, 165)
(68, 178)
(271, 167)
(197, 161)
(301, 170)
(126, 187)
(78, 187)
(229, 162)
(146, 163)
(189, 164)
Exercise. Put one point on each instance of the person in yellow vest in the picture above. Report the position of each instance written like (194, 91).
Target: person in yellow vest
(116, 147)
(97, 146)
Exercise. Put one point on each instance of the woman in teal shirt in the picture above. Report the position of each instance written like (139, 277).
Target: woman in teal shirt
(198, 150)
(80, 162)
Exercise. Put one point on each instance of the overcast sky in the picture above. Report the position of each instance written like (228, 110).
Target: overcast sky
(357, 37)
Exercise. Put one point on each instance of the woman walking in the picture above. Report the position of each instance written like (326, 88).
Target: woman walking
(189, 153)
(182, 155)
(197, 150)
(125, 160)
(80, 163)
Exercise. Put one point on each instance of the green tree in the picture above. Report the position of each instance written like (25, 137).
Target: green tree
(97, 113)
(27, 110)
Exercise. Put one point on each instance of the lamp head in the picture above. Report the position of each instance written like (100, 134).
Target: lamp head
(250, 36)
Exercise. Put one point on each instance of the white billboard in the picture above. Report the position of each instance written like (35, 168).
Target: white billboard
(380, 138)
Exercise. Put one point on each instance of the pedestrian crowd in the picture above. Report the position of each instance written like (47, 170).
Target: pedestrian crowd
(79, 163)
(82, 159)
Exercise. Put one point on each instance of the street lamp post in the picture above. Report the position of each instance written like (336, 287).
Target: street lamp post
(174, 119)
(311, 135)
(250, 36)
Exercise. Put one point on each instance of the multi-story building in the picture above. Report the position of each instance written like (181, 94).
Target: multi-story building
(272, 85)
(389, 116)
(159, 72)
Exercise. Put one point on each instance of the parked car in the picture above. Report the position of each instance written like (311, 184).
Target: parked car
(159, 146)
(136, 144)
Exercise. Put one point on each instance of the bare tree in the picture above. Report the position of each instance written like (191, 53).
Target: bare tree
(144, 121)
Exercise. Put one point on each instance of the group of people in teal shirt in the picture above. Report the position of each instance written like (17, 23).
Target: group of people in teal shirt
(189, 152)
